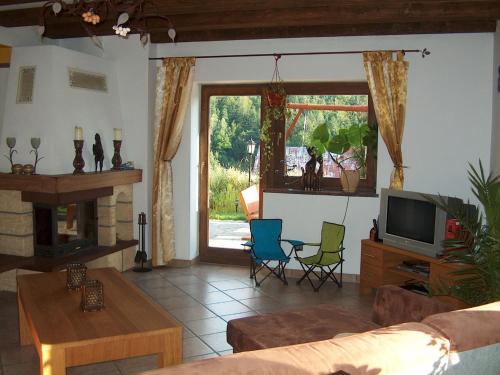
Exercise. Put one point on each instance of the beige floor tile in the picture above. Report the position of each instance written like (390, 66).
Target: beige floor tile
(207, 326)
(217, 341)
(192, 313)
(226, 308)
(195, 347)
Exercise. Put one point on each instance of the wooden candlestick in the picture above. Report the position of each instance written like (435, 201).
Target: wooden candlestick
(117, 159)
(78, 161)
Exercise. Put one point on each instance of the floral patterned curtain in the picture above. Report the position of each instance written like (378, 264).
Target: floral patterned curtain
(173, 90)
(387, 79)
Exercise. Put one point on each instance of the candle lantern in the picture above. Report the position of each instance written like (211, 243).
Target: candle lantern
(92, 296)
(76, 275)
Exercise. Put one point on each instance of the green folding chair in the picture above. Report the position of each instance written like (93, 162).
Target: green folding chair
(329, 257)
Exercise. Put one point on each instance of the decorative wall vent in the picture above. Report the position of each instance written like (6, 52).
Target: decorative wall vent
(25, 84)
(87, 80)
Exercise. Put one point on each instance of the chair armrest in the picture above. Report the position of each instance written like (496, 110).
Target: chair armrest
(336, 251)
(293, 242)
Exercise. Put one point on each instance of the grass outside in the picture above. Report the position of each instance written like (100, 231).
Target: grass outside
(227, 215)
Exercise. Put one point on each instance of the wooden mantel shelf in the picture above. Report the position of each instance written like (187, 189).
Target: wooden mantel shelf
(68, 183)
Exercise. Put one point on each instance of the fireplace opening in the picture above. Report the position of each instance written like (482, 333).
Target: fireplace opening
(64, 229)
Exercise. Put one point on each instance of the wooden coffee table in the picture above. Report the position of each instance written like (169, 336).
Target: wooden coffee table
(131, 324)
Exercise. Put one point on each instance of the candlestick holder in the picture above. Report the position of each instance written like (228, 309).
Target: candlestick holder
(35, 143)
(11, 143)
(117, 159)
(78, 161)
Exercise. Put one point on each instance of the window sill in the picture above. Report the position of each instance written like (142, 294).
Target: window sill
(358, 193)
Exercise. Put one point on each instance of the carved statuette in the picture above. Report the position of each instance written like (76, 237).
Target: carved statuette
(98, 152)
(311, 177)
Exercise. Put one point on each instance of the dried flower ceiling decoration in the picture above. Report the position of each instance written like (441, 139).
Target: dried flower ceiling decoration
(130, 16)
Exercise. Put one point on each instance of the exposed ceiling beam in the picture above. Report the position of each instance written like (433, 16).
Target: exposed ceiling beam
(370, 12)
(196, 20)
(17, 2)
(328, 31)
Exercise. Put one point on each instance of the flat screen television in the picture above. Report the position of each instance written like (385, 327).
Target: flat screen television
(409, 221)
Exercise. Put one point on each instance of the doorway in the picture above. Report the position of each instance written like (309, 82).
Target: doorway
(229, 170)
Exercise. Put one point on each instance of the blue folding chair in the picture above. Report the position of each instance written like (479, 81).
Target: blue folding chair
(265, 247)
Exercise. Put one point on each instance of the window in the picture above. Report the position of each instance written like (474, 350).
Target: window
(339, 105)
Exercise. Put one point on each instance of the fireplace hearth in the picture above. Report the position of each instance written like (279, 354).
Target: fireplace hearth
(48, 221)
(64, 229)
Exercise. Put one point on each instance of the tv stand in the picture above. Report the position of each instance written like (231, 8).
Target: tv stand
(382, 264)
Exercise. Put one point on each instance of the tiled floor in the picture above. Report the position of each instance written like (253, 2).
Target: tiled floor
(203, 297)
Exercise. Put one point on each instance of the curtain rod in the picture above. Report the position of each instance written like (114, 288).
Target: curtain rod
(277, 55)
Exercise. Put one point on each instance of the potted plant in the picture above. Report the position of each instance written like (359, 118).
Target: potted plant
(276, 109)
(354, 139)
(478, 243)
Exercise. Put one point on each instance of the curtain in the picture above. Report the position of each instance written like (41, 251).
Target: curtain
(387, 79)
(173, 90)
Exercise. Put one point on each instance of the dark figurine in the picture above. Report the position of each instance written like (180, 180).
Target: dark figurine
(311, 178)
(98, 152)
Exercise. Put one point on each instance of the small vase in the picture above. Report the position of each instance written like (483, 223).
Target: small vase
(349, 180)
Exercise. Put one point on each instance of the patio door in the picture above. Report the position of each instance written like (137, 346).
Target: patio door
(229, 170)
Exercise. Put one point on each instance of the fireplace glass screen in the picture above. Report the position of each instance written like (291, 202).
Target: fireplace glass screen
(64, 229)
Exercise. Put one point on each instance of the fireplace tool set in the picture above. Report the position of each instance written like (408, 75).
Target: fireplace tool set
(141, 256)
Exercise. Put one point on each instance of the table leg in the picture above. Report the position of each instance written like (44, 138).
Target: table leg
(52, 361)
(172, 350)
(25, 337)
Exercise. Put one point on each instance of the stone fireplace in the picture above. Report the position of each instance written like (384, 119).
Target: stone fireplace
(49, 221)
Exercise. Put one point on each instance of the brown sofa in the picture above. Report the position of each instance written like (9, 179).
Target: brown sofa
(457, 343)
(392, 305)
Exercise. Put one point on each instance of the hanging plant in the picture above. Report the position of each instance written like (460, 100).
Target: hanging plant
(276, 109)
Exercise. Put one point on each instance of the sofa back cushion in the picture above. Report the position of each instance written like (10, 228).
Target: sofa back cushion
(395, 305)
(474, 336)
(410, 348)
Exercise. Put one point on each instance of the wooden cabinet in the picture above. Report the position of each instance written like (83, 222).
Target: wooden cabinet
(380, 265)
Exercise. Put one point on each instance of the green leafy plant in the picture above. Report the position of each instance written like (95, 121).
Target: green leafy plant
(478, 243)
(356, 138)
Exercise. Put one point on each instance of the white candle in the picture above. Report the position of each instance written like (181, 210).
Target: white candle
(118, 134)
(78, 133)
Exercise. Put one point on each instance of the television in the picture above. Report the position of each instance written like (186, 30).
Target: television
(409, 221)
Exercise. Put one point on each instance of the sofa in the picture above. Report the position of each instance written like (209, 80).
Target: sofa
(454, 342)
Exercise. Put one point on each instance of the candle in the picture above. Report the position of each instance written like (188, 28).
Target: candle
(78, 133)
(118, 134)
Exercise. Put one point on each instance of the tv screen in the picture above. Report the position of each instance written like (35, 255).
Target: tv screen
(411, 218)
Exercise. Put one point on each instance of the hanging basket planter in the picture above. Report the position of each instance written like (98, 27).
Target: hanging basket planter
(275, 92)
(276, 96)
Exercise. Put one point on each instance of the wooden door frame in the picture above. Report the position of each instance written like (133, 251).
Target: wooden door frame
(215, 254)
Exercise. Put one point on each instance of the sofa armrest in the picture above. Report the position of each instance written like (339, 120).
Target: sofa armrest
(395, 305)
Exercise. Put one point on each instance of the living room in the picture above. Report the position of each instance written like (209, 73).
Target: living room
(452, 119)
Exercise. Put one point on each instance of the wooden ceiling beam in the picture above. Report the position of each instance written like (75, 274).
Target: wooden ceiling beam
(370, 12)
(329, 31)
(17, 2)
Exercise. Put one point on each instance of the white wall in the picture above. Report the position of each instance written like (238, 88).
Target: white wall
(58, 108)
(495, 135)
(448, 122)
(4, 76)
(20, 36)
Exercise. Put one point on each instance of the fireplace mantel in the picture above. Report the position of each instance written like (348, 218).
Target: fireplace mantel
(68, 183)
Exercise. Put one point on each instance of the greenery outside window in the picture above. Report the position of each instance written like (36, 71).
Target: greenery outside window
(339, 105)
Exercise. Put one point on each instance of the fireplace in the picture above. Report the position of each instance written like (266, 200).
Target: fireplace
(64, 229)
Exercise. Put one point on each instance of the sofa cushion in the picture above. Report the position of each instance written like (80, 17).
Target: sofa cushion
(320, 322)
(474, 336)
(395, 305)
(470, 328)
(411, 348)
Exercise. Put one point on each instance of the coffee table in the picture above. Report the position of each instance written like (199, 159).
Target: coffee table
(131, 324)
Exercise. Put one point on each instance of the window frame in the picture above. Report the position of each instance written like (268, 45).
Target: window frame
(276, 179)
